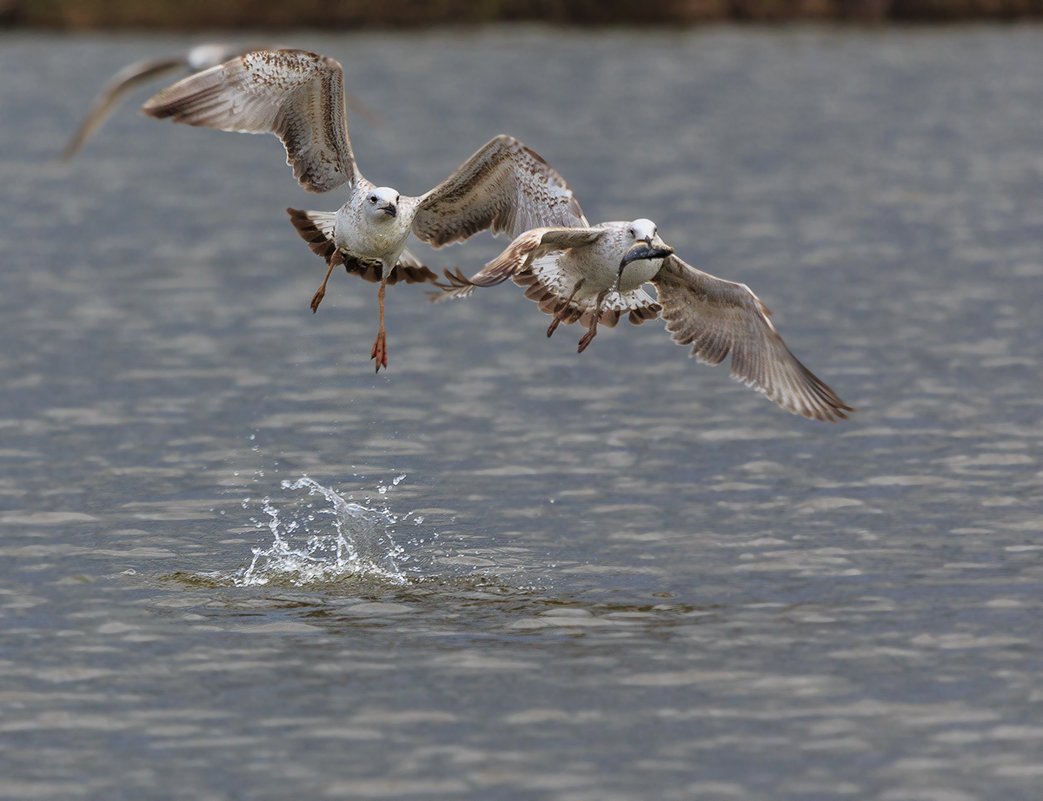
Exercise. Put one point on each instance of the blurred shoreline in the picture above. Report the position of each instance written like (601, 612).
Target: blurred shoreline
(76, 15)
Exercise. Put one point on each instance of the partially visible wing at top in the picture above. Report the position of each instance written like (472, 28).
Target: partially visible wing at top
(294, 94)
(210, 54)
(198, 58)
(119, 85)
(503, 187)
(718, 317)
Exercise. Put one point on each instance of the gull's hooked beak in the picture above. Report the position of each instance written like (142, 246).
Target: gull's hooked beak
(646, 249)
(390, 210)
(643, 249)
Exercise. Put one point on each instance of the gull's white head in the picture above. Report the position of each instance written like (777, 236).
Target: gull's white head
(382, 203)
(643, 245)
(643, 230)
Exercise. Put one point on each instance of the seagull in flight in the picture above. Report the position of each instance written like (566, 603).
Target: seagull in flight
(299, 96)
(594, 275)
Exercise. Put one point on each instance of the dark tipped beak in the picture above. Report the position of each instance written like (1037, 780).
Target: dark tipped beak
(645, 250)
(390, 210)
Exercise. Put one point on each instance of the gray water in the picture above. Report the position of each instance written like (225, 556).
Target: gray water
(236, 564)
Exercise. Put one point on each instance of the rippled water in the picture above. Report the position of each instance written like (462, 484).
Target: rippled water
(236, 564)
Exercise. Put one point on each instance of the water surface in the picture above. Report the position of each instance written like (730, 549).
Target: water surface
(236, 564)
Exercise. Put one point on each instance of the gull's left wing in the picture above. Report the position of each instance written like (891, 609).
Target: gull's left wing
(505, 186)
(294, 94)
(718, 317)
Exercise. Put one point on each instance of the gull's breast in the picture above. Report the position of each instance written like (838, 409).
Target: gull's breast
(639, 272)
(361, 236)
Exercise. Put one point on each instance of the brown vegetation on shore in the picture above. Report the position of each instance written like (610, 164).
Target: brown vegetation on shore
(348, 14)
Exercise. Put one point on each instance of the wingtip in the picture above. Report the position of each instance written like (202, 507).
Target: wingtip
(157, 106)
(458, 286)
(832, 410)
(70, 150)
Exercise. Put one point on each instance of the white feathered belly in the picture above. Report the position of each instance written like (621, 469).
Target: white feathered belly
(383, 241)
(560, 274)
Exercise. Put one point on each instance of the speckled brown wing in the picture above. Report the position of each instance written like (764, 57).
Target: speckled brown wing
(525, 247)
(718, 318)
(294, 94)
(316, 228)
(504, 187)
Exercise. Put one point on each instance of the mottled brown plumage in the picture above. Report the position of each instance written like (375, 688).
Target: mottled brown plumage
(594, 275)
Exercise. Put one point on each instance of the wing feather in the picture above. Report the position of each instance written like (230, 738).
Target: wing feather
(505, 187)
(516, 258)
(294, 94)
(718, 318)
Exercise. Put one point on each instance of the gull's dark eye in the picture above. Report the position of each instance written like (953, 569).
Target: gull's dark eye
(373, 199)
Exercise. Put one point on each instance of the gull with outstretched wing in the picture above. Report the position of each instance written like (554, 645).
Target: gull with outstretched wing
(594, 275)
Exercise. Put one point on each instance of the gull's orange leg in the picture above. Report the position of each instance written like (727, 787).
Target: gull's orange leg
(380, 345)
(320, 293)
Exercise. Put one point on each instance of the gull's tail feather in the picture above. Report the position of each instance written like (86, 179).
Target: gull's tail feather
(459, 286)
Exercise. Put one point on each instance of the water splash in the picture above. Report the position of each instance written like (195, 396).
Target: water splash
(326, 540)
